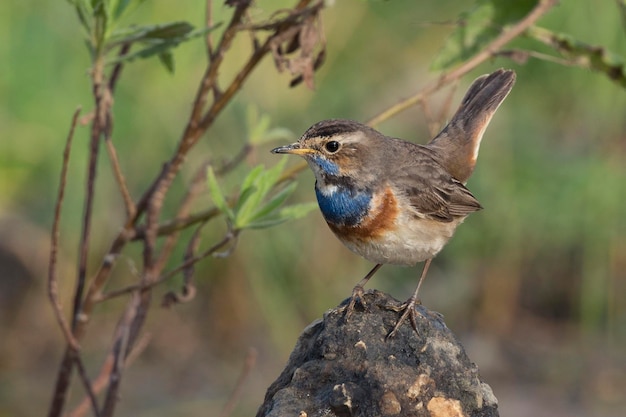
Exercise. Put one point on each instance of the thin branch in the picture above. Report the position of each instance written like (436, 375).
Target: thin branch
(232, 163)
(129, 204)
(102, 106)
(196, 187)
(115, 164)
(182, 220)
(53, 293)
(98, 124)
(520, 56)
(100, 382)
(490, 50)
(64, 376)
(82, 372)
(248, 365)
(291, 172)
(230, 236)
(120, 351)
(176, 225)
(117, 69)
(188, 291)
(208, 19)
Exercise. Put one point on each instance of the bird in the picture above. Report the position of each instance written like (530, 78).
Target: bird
(397, 202)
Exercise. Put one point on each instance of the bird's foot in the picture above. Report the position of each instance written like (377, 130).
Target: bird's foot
(357, 295)
(408, 310)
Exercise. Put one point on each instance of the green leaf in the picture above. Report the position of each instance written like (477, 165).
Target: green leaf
(252, 177)
(274, 202)
(248, 197)
(297, 211)
(149, 33)
(594, 57)
(240, 208)
(167, 31)
(158, 41)
(256, 206)
(121, 7)
(477, 27)
(217, 195)
(84, 12)
(262, 184)
(257, 131)
(147, 52)
(275, 172)
(167, 59)
(292, 212)
(100, 14)
(252, 115)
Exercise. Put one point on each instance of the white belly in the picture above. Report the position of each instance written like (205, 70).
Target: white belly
(412, 242)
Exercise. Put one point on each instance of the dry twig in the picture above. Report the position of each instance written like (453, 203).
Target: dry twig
(53, 286)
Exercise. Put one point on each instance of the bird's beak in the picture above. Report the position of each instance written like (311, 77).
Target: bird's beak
(294, 148)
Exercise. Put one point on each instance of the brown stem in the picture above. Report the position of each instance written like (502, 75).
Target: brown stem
(178, 224)
(97, 128)
(82, 373)
(197, 185)
(53, 293)
(129, 204)
(63, 380)
(102, 108)
(100, 382)
(117, 69)
(121, 345)
(234, 161)
(188, 262)
(208, 19)
(188, 291)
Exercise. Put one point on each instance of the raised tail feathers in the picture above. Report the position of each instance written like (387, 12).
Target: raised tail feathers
(458, 143)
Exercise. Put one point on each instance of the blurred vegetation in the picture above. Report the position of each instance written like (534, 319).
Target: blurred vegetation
(540, 273)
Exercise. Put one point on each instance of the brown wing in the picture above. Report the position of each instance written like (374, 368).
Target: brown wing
(431, 190)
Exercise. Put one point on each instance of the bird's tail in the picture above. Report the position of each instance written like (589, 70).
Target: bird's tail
(458, 143)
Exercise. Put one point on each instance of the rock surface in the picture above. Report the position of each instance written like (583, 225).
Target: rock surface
(350, 369)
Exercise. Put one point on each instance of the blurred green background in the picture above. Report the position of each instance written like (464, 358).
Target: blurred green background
(534, 285)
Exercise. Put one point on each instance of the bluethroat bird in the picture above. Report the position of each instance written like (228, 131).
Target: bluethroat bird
(393, 201)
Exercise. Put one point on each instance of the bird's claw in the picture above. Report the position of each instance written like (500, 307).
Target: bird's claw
(408, 310)
(357, 294)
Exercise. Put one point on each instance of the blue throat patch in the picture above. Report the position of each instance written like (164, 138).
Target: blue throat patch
(327, 166)
(343, 207)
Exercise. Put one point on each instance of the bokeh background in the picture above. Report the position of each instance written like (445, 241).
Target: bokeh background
(534, 285)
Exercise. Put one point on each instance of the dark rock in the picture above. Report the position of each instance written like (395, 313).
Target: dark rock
(350, 369)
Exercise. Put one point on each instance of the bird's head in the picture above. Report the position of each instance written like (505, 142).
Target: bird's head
(337, 148)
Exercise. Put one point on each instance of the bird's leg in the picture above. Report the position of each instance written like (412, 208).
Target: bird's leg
(408, 307)
(357, 291)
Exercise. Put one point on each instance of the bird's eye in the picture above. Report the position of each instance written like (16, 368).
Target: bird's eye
(332, 146)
